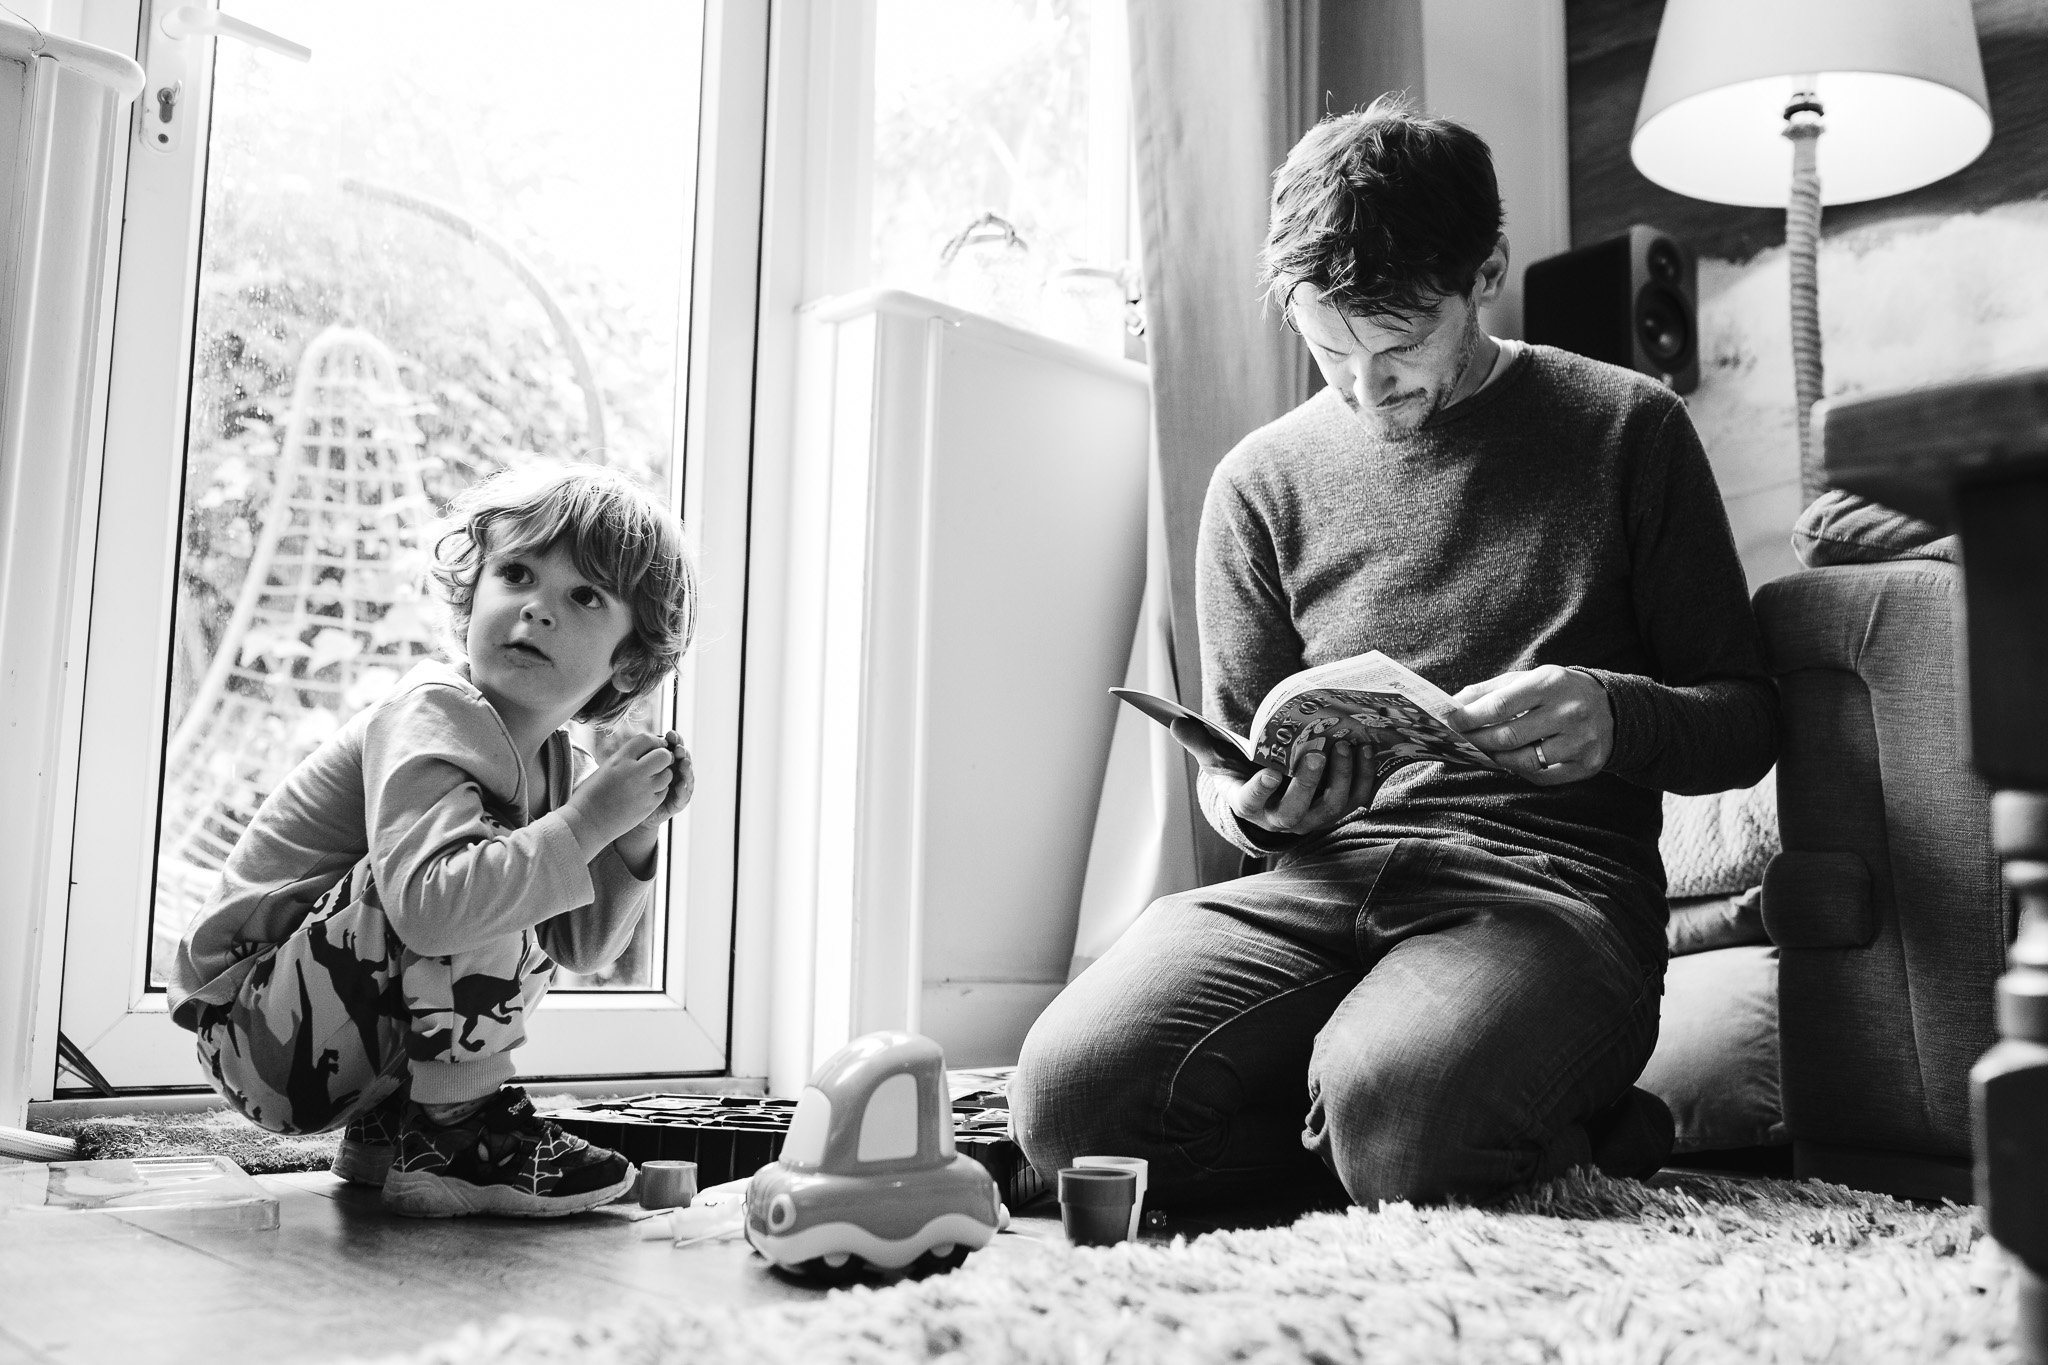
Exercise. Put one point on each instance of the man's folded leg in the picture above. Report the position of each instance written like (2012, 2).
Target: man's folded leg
(1493, 1041)
(1188, 1043)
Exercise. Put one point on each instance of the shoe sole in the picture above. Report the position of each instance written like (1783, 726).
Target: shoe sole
(363, 1163)
(422, 1194)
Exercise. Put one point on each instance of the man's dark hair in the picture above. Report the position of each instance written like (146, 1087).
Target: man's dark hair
(1382, 211)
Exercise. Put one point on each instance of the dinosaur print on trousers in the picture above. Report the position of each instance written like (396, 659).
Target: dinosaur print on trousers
(358, 1009)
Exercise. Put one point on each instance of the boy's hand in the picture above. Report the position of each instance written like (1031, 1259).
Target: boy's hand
(1321, 790)
(637, 845)
(682, 783)
(627, 788)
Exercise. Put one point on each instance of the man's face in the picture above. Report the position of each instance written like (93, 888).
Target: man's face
(1393, 374)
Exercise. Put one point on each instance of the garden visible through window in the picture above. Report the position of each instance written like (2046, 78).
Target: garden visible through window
(456, 241)
(1002, 161)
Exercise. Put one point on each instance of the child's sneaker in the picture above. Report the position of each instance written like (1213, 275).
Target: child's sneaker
(505, 1159)
(369, 1141)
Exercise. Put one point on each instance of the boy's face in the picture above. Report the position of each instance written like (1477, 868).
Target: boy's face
(541, 635)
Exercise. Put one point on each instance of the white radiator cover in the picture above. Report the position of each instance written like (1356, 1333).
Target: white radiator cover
(63, 123)
(969, 524)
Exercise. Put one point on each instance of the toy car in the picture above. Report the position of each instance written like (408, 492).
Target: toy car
(869, 1176)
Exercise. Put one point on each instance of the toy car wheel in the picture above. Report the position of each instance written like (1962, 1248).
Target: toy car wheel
(943, 1257)
(838, 1267)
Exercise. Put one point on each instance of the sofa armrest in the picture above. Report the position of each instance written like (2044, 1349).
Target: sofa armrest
(1885, 1004)
(1818, 900)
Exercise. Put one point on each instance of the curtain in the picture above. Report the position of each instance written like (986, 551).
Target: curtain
(1220, 90)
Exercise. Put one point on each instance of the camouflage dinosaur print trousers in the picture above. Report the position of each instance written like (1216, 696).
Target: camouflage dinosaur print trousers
(342, 1015)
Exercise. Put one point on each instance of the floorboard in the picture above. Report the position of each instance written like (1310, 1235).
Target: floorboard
(341, 1278)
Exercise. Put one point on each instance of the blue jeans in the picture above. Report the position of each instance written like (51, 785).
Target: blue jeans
(1423, 1018)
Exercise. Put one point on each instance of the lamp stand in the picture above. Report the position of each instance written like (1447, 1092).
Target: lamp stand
(1802, 247)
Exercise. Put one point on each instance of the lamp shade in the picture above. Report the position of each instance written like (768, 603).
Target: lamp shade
(1900, 82)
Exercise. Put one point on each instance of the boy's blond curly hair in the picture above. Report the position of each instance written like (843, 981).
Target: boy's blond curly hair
(620, 537)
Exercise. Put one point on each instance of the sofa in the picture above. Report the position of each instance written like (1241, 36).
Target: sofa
(1837, 1006)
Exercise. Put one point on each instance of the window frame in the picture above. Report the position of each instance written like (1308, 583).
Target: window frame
(106, 1005)
(792, 973)
(879, 1139)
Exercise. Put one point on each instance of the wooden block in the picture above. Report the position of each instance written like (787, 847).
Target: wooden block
(2009, 1094)
(2019, 825)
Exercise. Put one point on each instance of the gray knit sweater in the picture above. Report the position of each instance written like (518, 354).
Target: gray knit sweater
(1565, 514)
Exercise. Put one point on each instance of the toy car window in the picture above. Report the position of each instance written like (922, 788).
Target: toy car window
(888, 1130)
(805, 1145)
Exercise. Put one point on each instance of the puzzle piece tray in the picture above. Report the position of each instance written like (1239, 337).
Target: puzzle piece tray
(732, 1136)
(155, 1192)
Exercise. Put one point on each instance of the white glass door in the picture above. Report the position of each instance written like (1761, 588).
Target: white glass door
(459, 239)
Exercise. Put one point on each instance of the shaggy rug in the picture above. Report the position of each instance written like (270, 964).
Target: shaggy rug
(1585, 1270)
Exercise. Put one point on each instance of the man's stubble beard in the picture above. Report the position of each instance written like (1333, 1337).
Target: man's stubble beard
(1439, 399)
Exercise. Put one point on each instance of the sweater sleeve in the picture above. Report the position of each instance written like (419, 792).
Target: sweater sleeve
(452, 875)
(1708, 720)
(591, 937)
(1248, 638)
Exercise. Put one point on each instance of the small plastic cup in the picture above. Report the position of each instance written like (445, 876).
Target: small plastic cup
(1095, 1204)
(667, 1184)
(1137, 1166)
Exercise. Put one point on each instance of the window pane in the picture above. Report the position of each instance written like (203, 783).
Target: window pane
(1001, 160)
(452, 243)
(888, 1130)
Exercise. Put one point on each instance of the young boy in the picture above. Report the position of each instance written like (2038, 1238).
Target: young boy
(395, 911)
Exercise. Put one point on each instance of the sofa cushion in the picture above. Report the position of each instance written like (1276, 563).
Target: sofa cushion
(1716, 1062)
(1842, 528)
(1704, 923)
(1719, 845)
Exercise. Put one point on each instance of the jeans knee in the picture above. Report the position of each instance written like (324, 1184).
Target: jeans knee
(1073, 1091)
(1034, 1084)
(1393, 1133)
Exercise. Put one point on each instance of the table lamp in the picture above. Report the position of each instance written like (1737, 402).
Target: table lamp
(1835, 101)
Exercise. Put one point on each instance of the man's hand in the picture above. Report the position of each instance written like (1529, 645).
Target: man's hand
(1322, 789)
(1552, 725)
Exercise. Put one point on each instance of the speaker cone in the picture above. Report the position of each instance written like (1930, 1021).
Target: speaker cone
(1661, 326)
(1664, 262)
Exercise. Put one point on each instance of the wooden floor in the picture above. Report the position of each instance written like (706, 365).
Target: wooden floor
(340, 1277)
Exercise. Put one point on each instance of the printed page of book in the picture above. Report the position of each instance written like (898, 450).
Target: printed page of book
(1371, 671)
(1404, 716)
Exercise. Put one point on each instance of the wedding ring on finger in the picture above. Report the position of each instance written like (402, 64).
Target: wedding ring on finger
(1542, 762)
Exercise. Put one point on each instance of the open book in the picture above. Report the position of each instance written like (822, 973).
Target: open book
(1369, 697)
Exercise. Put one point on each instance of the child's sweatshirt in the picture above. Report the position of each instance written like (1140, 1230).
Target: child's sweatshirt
(428, 784)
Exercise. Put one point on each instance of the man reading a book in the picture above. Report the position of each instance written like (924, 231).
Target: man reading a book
(1448, 978)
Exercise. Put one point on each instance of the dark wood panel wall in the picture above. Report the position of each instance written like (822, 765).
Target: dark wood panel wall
(1609, 46)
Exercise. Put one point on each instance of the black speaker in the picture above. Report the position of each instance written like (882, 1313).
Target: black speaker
(1630, 301)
